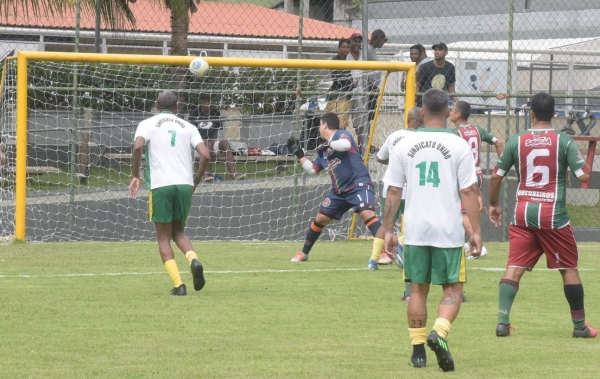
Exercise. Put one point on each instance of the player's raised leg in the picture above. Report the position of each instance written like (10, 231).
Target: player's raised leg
(312, 235)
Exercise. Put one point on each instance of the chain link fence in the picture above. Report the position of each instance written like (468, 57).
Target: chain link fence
(513, 47)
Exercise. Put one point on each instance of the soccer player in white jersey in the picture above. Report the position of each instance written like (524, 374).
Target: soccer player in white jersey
(383, 155)
(432, 162)
(168, 141)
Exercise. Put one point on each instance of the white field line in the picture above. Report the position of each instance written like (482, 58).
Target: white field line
(232, 272)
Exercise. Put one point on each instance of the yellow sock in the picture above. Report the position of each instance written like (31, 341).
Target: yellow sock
(417, 336)
(377, 247)
(190, 256)
(442, 327)
(171, 267)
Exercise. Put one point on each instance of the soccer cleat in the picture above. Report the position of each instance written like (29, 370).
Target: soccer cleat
(240, 177)
(405, 297)
(179, 291)
(419, 361)
(385, 259)
(503, 330)
(372, 265)
(440, 348)
(463, 298)
(588, 332)
(197, 274)
(299, 257)
(467, 247)
(483, 252)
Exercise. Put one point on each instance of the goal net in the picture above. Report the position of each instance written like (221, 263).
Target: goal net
(67, 128)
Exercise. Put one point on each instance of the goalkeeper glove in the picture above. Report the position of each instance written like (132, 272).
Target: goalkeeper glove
(294, 145)
(322, 147)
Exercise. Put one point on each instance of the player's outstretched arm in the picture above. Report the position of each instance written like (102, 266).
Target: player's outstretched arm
(293, 145)
(495, 212)
(470, 200)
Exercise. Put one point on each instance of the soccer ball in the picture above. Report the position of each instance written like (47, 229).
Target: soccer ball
(199, 67)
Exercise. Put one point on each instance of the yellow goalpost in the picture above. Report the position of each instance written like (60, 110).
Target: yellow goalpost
(25, 58)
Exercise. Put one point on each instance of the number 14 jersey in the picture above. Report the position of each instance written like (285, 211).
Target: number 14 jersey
(541, 158)
(434, 164)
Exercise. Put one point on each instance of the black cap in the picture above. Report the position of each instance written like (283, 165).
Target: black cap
(440, 45)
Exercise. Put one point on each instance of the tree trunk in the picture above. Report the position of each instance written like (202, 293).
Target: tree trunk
(180, 23)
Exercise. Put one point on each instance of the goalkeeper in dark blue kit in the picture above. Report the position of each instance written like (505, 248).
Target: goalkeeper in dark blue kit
(351, 185)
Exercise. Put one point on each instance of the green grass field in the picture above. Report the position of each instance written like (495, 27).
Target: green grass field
(102, 310)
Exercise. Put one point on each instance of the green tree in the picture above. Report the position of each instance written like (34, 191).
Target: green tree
(114, 13)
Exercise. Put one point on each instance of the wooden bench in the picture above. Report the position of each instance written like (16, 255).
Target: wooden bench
(281, 161)
(35, 171)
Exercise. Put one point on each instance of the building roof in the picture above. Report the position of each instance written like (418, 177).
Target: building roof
(212, 18)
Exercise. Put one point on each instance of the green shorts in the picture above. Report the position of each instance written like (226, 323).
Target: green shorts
(170, 203)
(428, 264)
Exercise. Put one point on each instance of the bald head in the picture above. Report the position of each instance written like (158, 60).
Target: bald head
(167, 101)
(414, 118)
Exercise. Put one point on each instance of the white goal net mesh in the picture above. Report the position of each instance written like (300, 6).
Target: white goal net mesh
(80, 126)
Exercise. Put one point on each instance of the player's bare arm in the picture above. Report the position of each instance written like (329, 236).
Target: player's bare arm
(202, 165)
(392, 204)
(470, 199)
(495, 212)
(499, 145)
(383, 161)
(136, 159)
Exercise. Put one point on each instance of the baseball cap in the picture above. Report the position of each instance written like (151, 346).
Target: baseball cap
(440, 45)
(356, 35)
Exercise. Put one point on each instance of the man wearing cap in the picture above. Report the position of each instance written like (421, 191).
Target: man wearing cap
(378, 39)
(437, 73)
(359, 114)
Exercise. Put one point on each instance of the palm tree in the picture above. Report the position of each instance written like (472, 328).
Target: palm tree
(180, 23)
(114, 13)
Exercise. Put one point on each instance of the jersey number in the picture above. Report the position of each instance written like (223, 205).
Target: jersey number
(428, 175)
(532, 169)
(474, 143)
(173, 135)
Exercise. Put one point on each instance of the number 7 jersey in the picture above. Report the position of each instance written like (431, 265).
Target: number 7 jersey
(541, 158)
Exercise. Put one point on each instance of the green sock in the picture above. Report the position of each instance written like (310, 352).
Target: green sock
(507, 292)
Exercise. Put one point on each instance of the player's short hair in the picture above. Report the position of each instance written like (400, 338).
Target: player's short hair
(435, 102)
(204, 97)
(415, 114)
(332, 120)
(419, 47)
(343, 40)
(542, 105)
(463, 108)
(167, 100)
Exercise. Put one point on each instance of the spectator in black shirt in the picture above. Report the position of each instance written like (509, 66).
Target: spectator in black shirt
(437, 73)
(210, 125)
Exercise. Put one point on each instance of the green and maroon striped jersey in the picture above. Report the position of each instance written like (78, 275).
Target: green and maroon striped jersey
(475, 135)
(541, 158)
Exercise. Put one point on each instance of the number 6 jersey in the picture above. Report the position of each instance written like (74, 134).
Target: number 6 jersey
(434, 164)
(541, 158)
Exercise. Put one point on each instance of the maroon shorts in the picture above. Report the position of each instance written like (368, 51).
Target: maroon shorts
(528, 244)
(479, 183)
